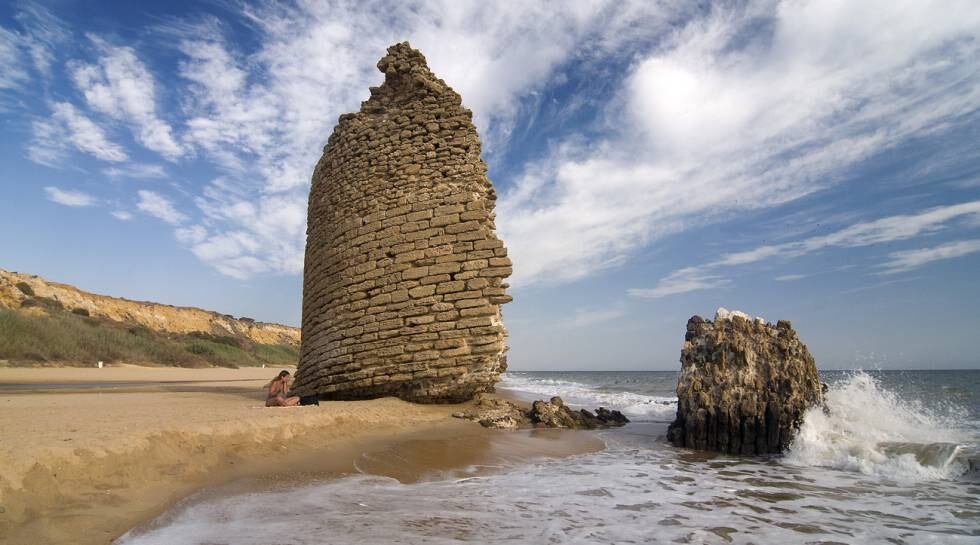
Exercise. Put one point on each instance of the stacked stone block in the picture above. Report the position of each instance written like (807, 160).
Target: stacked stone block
(404, 274)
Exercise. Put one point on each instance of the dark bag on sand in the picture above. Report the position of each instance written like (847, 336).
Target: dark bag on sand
(309, 400)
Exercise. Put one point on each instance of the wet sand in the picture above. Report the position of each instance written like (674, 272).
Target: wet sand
(89, 454)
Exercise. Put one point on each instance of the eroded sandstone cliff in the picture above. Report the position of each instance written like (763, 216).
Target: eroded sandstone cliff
(18, 291)
(404, 273)
(744, 385)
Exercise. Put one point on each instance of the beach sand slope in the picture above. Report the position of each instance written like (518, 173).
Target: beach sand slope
(90, 453)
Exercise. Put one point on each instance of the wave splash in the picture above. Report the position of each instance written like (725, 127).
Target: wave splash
(872, 430)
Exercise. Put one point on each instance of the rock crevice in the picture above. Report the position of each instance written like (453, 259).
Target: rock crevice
(404, 274)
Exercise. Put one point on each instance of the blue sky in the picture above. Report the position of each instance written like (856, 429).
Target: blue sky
(812, 161)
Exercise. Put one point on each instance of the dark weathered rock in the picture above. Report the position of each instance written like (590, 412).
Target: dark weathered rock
(610, 417)
(498, 413)
(404, 274)
(553, 414)
(744, 385)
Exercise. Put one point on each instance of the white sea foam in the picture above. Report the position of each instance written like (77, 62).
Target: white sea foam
(639, 407)
(637, 490)
(626, 494)
(872, 430)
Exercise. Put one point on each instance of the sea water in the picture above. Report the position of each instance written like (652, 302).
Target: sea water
(894, 461)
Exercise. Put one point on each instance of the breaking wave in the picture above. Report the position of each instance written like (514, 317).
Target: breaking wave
(872, 430)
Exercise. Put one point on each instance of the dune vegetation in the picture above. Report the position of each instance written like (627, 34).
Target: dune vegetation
(62, 337)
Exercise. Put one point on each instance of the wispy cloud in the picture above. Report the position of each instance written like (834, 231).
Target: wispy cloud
(122, 215)
(728, 114)
(194, 234)
(790, 277)
(14, 73)
(159, 207)
(592, 316)
(122, 87)
(31, 46)
(261, 114)
(907, 260)
(880, 231)
(681, 281)
(736, 107)
(43, 34)
(69, 197)
(139, 171)
(69, 127)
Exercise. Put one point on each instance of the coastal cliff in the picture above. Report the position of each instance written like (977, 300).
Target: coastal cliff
(46, 323)
(23, 291)
(404, 274)
(744, 385)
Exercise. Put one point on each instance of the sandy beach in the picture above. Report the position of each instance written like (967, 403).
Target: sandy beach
(90, 453)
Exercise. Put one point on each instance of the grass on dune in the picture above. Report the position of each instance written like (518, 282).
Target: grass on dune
(69, 337)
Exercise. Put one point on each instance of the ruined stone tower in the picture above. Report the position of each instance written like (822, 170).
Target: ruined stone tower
(404, 274)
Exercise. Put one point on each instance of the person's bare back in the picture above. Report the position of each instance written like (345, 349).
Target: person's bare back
(278, 392)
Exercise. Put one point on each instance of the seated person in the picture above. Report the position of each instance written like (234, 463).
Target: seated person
(278, 392)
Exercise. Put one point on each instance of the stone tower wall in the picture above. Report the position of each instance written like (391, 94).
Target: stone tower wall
(404, 275)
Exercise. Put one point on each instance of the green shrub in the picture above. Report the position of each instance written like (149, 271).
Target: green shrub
(220, 339)
(277, 354)
(25, 288)
(80, 311)
(200, 349)
(141, 331)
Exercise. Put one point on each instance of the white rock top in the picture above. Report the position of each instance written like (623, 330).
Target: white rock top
(724, 314)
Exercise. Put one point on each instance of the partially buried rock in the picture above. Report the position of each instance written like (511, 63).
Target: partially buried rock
(497, 413)
(744, 385)
(491, 412)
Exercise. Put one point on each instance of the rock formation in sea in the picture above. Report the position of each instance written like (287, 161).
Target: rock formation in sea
(744, 385)
(493, 412)
(404, 274)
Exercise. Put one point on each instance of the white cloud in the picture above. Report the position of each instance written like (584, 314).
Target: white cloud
(260, 234)
(266, 115)
(122, 87)
(41, 33)
(884, 230)
(681, 281)
(746, 107)
(790, 277)
(122, 215)
(14, 73)
(67, 126)
(195, 234)
(159, 206)
(589, 317)
(912, 259)
(69, 197)
(139, 171)
(720, 110)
